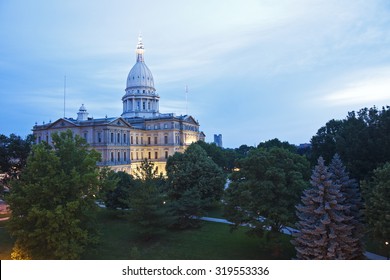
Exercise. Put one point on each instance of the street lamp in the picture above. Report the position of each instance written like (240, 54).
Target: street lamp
(387, 248)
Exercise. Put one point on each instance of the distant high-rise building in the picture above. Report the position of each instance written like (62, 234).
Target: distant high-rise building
(141, 132)
(218, 140)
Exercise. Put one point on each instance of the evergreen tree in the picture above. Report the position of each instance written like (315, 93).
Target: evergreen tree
(377, 196)
(324, 228)
(53, 202)
(148, 203)
(353, 200)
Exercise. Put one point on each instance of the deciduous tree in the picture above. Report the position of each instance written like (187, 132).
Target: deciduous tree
(266, 189)
(377, 197)
(195, 182)
(53, 202)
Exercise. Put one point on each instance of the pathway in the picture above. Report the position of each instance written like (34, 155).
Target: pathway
(289, 231)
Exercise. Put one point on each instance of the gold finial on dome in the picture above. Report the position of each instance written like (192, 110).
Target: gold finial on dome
(140, 49)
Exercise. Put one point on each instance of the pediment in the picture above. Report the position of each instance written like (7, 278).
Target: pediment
(191, 120)
(62, 123)
(120, 122)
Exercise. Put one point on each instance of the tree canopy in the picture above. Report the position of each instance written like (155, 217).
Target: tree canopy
(53, 202)
(266, 188)
(195, 182)
(377, 196)
(13, 154)
(148, 202)
(362, 141)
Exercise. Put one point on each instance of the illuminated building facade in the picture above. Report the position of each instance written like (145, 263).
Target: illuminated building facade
(140, 132)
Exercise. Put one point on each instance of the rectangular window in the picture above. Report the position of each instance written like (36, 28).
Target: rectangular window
(155, 140)
(119, 156)
(124, 156)
(156, 155)
(131, 156)
(85, 136)
(124, 138)
(142, 155)
(99, 137)
(136, 140)
(112, 137)
(166, 139)
(118, 138)
(149, 141)
(136, 155)
(143, 105)
(142, 140)
(166, 154)
(131, 140)
(149, 155)
(112, 156)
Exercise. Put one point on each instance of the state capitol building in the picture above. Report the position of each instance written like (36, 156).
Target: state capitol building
(140, 132)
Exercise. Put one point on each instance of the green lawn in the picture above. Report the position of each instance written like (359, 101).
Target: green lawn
(119, 240)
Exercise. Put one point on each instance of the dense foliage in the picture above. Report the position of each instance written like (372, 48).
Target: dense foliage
(13, 155)
(118, 189)
(353, 203)
(377, 195)
(148, 202)
(362, 140)
(266, 188)
(195, 182)
(53, 202)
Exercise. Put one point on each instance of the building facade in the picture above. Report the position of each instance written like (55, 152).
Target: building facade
(140, 132)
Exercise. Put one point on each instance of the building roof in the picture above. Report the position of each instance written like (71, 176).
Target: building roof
(70, 122)
(140, 75)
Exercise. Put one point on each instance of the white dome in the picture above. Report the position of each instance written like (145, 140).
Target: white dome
(140, 76)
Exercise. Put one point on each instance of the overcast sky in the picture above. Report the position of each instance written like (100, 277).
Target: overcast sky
(255, 70)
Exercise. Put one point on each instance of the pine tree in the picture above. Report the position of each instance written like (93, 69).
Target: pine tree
(353, 200)
(148, 207)
(324, 231)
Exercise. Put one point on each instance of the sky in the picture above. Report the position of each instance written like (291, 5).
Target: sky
(255, 70)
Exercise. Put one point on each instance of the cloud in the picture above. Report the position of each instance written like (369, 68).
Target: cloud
(363, 89)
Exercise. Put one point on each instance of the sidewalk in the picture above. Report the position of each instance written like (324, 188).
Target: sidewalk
(289, 231)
